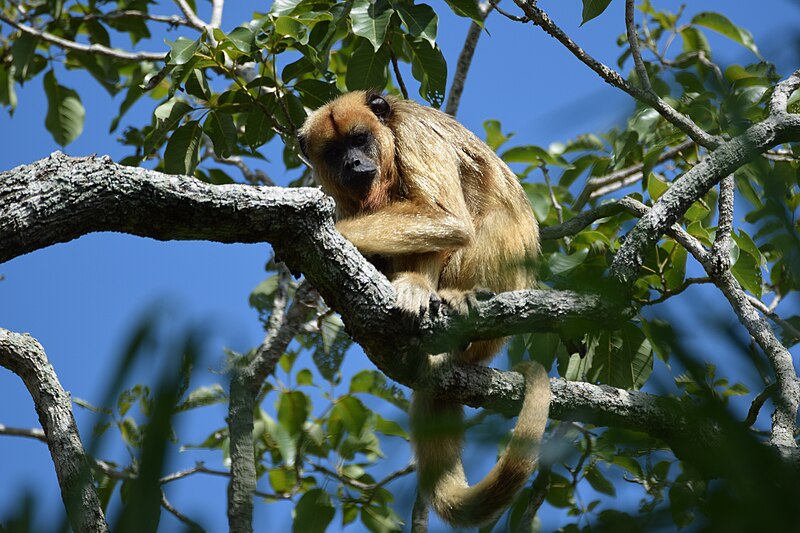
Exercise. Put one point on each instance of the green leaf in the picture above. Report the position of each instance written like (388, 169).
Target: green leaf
(182, 50)
(367, 68)
(592, 9)
(389, 427)
(721, 24)
(284, 7)
(656, 187)
(494, 136)
(291, 27)
(420, 19)
(534, 155)
(243, 38)
(203, 396)
(351, 412)
(621, 359)
(694, 40)
(258, 128)
(468, 9)
(598, 481)
(182, 154)
(561, 263)
(167, 116)
(314, 512)
(197, 85)
(222, 131)
(65, 112)
(8, 96)
(375, 383)
(304, 377)
(370, 19)
(293, 409)
(429, 67)
(747, 271)
(316, 93)
(282, 480)
(23, 54)
(380, 519)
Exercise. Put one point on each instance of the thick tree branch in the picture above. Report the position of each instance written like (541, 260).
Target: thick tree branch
(246, 381)
(687, 189)
(25, 357)
(788, 397)
(85, 48)
(60, 198)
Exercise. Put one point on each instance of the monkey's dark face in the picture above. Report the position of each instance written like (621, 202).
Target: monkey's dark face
(351, 147)
(355, 156)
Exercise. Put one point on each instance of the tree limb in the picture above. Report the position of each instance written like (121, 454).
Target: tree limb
(85, 48)
(25, 357)
(464, 62)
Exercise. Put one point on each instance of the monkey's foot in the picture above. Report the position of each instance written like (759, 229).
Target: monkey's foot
(463, 302)
(414, 296)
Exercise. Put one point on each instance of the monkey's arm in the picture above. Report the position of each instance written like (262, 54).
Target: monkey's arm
(407, 228)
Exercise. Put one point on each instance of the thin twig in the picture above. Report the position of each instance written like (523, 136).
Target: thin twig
(633, 40)
(623, 177)
(677, 119)
(688, 282)
(464, 62)
(193, 526)
(397, 75)
(190, 15)
(770, 313)
(364, 487)
(580, 221)
(506, 14)
(96, 49)
(758, 402)
(31, 433)
(172, 20)
(556, 205)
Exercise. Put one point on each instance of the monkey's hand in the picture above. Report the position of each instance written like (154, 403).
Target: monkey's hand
(463, 302)
(414, 293)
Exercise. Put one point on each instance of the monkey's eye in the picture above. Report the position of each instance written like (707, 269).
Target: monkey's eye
(379, 106)
(358, 140)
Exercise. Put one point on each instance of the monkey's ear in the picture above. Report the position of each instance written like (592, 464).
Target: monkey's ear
(379, 106)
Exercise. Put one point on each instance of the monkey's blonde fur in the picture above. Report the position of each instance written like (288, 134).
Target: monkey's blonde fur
(445, 216)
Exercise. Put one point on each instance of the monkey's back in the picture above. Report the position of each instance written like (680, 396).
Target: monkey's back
(454, 160)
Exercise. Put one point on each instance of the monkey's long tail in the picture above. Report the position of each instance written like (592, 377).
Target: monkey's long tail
(437, 431)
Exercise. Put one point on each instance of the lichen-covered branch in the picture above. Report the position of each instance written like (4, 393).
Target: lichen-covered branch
(25, 357)
(788, 396)
(246, 381)
(692, 185)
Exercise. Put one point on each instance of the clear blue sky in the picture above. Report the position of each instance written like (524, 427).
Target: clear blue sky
(81, 298)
